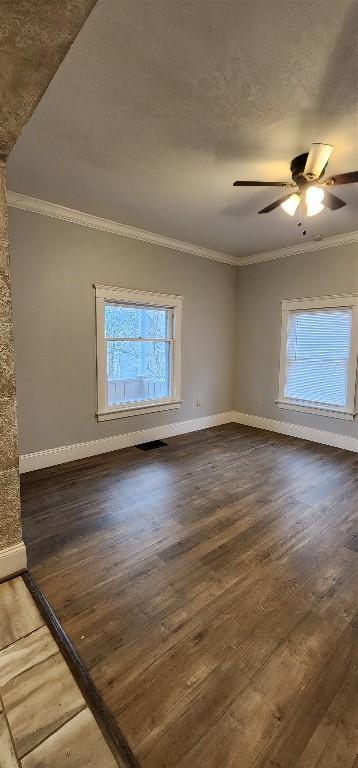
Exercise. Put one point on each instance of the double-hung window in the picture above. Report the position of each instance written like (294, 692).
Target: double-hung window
(138, 352)
(319, 345)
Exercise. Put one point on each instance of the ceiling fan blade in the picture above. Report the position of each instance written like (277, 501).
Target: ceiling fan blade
(263, 184)
(276, 204)
(342, 178)
(332, 201)
(317, 160)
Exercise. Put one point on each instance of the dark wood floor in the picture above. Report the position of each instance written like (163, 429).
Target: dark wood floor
(211, 588)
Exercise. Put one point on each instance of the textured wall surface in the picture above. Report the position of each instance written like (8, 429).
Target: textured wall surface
(10, 526)
(35, 35)
(261, 287)
(54, 265)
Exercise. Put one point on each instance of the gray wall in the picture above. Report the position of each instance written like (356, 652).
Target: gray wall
(260, 290)
(53, 266)
(228, 315)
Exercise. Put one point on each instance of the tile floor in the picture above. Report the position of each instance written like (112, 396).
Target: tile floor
(44, 719)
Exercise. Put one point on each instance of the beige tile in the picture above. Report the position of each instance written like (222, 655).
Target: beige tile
(78, 744)
(18, 612)
(7, 753)
(39, 694)
(20, 656)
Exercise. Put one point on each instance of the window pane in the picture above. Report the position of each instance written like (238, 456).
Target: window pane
(137, 371)
(318, 349)
(131, 321)
(321, 382)
(320, 334)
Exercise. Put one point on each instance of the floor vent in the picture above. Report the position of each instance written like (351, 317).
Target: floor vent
(151, 445)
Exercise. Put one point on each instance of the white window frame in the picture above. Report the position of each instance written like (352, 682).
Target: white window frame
(323, 302)
(105, 293)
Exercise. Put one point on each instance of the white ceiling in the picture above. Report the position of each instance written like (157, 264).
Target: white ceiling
(161, 104)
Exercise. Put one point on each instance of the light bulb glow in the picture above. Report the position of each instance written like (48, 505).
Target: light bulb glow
(314, 197)
(290, 205)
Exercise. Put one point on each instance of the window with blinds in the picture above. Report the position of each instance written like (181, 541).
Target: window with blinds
(319, 355)
(318, 350)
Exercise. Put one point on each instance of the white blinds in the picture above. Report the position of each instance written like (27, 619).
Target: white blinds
(318, 349)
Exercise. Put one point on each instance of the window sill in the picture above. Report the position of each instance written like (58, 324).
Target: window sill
(137, 409)
(315, 410)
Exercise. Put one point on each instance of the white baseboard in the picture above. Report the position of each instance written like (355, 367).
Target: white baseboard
(295, 430)
(65, 453)
(53, 456)
(12, 560)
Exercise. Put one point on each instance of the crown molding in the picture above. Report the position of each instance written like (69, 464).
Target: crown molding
(294, 250)
(55, 211)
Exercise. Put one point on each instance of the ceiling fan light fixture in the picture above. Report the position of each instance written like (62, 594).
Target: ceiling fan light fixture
(314, 197)
(317, 160)
(290, 205)
(307, 171)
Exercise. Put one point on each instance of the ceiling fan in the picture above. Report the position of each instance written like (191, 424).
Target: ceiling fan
(306, 186)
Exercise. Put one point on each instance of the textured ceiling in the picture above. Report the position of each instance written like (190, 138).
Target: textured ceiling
(34, 37)
(160, 105)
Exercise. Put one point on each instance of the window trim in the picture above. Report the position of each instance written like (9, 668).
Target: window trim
(305, 406)
(105, 293)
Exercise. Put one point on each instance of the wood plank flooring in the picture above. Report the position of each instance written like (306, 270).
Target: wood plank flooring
(211, 589)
